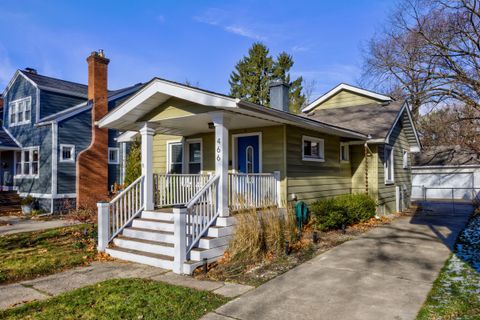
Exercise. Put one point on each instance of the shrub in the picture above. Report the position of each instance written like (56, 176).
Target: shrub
(133, 166)
(348, 209)
(27, 201)
(261, 233)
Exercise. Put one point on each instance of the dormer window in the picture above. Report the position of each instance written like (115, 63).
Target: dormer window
(20, 111)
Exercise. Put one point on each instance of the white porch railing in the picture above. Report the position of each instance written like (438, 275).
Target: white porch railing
(202, 212)
(176, 189)
(193, 220)
(115, 215)
(256, 190)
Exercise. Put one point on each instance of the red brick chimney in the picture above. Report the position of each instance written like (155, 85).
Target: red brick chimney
(92, 163)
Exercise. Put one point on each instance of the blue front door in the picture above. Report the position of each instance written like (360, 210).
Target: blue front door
(248, 154)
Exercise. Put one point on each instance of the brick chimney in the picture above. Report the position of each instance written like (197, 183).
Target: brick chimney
(92, 163)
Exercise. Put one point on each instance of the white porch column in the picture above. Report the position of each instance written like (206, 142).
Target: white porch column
(147, 133)
(221, 123)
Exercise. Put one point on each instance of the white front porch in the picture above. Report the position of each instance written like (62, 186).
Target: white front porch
(176, 221)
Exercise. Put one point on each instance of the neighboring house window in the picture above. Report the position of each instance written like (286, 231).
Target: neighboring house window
(27, 162)
(405, 159)
(67, 153)
(194, 157)
(344, 152)
(175, 157)
(20, 111)
(389, 172)
(313, 149)
(113, 155)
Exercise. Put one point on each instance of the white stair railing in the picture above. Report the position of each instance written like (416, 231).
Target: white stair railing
(254, 190)
(201, 212)
(176, 189)
(115, 215)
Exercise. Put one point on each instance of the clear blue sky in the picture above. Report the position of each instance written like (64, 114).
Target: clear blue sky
(196, 40)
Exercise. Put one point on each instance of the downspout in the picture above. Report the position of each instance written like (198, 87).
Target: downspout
(367, 152)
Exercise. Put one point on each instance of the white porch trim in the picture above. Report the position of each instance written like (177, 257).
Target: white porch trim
(221, 123)
(147, 133)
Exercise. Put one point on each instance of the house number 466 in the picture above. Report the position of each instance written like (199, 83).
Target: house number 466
(219, 149)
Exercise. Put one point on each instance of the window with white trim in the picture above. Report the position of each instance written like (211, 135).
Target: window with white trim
(175, 157)
(313, 149)
(405, 159)
(113, 155)
(20, 111)
(67, 153)
(344, 152)
(389, 164)
(194, 157)
(27, 162)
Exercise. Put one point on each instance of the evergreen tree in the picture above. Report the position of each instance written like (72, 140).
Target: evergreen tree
(133, 165)
(250, 79)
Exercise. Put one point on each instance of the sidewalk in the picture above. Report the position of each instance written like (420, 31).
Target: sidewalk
(385, 274)
(17, 224)
(46, 287)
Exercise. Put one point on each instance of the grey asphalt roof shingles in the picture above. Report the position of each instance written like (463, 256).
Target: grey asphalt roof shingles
(446, 156)
(370, 119)
(6, 141)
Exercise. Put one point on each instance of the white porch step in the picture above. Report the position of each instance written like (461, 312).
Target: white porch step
(225, 221)
(216, 231)
(153, 224)
(155, 260)
(212, 242)
(199, 254)
(139, 244)
(149, 234)
(157, 215)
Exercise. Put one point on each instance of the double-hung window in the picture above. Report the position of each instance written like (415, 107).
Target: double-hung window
(389, 165)
(313, 149)
(194, 156)
(113, 155)
(27, 162)
(67, 153)
(175, 157)
(20, 111)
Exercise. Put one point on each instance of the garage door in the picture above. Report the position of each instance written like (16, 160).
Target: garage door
(443, 185)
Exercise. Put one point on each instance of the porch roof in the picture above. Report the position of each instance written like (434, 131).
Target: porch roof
(7, 142)
(130, 114)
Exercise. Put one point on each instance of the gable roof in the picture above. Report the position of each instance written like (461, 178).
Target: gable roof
(6, 141)
(158, 91)
(84, 106)
(374, 120)
(445, 156)
(54, 84)
(347, 87)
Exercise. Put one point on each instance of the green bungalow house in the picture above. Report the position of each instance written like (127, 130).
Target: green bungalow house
(205, 155)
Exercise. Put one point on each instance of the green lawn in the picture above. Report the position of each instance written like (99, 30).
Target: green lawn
(455, 293)
(122, 299)
(31, 254)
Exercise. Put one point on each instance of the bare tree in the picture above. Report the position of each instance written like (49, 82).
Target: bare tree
(308, 90)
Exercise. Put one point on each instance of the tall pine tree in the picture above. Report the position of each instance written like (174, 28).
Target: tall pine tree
(249, 81)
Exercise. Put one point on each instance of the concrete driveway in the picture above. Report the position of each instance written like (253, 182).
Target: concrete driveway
(386, 274)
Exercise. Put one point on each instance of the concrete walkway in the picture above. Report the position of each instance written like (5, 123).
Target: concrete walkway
(385, 274)
(19, 224)
(46, 287)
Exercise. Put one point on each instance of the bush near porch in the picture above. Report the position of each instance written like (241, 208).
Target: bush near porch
(332, 213)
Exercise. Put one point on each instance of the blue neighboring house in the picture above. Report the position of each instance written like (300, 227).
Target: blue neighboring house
(46, 123)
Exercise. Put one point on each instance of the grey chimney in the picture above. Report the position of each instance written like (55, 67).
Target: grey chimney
(279, 95)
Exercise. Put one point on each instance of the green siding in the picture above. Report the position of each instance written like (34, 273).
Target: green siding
(402, 177)
(346, 98)
(311, 180)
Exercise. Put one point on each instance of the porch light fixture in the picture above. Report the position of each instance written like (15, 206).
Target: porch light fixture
(211, 125)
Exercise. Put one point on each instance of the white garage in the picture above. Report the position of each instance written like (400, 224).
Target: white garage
(445, 175)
